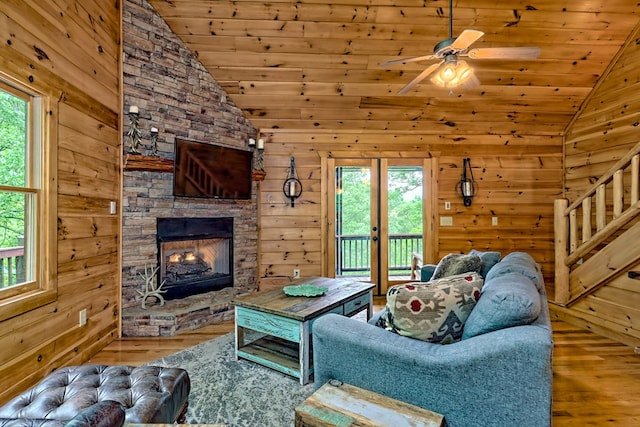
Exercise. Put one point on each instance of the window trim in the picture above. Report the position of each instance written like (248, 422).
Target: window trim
(42, 130)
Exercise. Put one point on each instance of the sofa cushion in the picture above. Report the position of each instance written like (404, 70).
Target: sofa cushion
(518, 262)
(432, 311)
(489, 259)
(508, 300)
(453, 264)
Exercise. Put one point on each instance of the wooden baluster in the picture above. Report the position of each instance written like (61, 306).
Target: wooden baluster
(573, 231)
(586, 219)
(601, 207)
(10, 269)
(618, 193)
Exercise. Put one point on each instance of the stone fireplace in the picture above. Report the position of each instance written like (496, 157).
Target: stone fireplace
(178, 96)
(195, 255)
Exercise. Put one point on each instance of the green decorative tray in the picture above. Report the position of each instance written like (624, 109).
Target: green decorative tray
(304, 290)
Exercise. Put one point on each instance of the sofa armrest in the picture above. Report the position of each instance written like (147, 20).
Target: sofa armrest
(500, 378)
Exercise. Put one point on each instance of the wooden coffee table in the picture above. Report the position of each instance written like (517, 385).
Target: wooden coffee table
(275, 330)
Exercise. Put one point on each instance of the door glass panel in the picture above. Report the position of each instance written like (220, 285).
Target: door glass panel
(405, 218)
(353, 222)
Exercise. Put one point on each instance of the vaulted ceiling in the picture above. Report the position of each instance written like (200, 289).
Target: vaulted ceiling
(305, 65)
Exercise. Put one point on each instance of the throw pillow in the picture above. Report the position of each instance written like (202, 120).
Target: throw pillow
(489, 259)
(426, 271)
(518, 262)
(508, 300)
(453, 264)
(432, 311)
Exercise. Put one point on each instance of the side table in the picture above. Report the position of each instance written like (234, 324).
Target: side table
(336, 404)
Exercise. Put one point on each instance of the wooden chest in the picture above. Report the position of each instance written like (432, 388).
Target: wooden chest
(336, 404)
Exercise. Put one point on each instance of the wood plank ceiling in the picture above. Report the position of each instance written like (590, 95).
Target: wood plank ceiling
(305, 65)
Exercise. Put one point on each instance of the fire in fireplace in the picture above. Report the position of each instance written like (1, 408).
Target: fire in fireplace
(195, 255)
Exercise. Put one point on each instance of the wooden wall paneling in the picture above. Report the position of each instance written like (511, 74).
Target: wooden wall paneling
(72, 53)
(519, 177)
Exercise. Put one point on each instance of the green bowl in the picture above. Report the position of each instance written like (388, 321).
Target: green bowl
(304, 290)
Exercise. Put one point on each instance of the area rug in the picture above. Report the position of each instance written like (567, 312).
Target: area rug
(238, 393)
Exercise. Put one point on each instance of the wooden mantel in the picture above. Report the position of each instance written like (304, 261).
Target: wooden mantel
(138, 162)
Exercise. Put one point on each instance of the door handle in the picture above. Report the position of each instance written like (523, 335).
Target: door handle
(375, 228)
(374, 238)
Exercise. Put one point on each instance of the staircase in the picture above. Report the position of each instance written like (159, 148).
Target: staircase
(597, 254)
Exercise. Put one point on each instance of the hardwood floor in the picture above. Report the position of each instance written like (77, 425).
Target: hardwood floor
(596, 380)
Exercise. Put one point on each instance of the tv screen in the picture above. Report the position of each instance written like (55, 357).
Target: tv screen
(213, 171)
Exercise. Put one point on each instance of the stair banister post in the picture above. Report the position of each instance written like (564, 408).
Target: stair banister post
(561, 227)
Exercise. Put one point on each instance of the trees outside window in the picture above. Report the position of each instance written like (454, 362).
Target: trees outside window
(19, 187)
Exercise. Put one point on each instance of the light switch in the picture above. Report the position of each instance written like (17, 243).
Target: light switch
(446, 220)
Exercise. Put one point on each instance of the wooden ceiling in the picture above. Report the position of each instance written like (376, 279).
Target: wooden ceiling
(305, 65)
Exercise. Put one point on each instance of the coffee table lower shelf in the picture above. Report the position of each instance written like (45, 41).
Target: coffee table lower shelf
(274, 353)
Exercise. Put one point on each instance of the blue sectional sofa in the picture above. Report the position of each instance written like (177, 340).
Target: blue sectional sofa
(496, 375)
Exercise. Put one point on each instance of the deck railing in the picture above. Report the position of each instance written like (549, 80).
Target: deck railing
(354, 252)
(11, 266)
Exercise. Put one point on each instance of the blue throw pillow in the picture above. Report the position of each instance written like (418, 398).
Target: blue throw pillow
(426, 271)
(506, 301)
(518, 262)
(489, 259)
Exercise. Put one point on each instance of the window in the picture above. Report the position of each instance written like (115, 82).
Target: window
(22, 218)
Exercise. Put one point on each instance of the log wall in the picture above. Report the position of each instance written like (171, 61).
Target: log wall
(605, 129)
(518, 177)
(71, 50)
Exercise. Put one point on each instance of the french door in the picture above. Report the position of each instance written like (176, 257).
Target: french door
(378, 214)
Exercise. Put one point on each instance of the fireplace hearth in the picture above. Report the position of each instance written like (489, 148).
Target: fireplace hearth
(195, 255)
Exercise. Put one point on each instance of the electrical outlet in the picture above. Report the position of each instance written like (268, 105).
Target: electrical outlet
(447, 206)
(83, 317)
(113, 207)
(296, 273)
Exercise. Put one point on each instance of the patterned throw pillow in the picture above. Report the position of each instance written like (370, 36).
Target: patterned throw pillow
(432, 311)
(453, 264)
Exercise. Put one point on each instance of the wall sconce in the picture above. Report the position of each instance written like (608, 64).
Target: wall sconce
(467, 186)
(292, 187)
(134, 132)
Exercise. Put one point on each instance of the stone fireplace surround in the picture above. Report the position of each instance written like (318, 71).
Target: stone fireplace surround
(177, 95)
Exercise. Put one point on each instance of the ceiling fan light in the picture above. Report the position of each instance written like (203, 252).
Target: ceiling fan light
(437, 80)
(448, 73)
(463, 72)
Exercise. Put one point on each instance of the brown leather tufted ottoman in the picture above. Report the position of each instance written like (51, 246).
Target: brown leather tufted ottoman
(149, 394)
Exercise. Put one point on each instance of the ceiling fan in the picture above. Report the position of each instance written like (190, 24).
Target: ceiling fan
(452, 71)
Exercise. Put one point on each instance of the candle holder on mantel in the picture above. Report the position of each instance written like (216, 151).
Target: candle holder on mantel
(258, 173)
(154, 142)
(134, 133)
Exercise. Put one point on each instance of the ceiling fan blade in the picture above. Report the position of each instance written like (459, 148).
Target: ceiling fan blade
(504, 53)
(407, 60)
(423, 75)
(466, 39)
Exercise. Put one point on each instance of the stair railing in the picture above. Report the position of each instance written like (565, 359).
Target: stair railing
(575, 234)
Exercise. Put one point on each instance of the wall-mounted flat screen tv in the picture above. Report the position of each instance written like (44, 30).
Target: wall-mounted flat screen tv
(211, 171)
